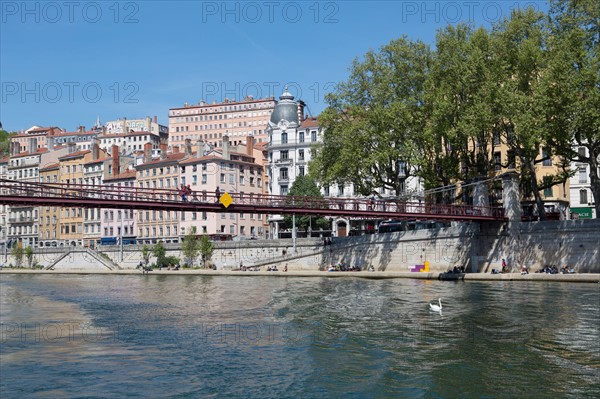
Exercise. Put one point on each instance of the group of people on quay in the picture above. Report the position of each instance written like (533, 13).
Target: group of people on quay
(257, 268)
(548, 269)
(344, 267)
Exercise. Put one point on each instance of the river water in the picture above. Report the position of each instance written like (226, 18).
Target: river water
(135, 336)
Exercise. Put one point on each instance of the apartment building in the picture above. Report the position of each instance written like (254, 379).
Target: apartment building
(119, 225)
(4, 212)
(582, 200)
(147, 124)
(72, 175)
(20, 142)
(556, 198)
(49, 224)
(236, 170)
(23, 220)
(129, 142)
(162, 176)
(210, 122)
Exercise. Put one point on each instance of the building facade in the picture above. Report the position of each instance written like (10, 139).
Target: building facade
(211, 122)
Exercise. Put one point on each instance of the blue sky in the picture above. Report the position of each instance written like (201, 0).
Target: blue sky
(64, 63)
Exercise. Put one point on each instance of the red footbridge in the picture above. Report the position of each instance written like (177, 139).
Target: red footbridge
(20, 193)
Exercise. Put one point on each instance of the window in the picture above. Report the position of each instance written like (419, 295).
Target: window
(301, 137)
(497, 161)
(284, 190)
(581, 151)
(283, 174)
(284, 138)
(284, 155)
(301, 170)
(301, 155)
(547, 161)
(583, 197)
(313, 136)
(547, 191)
(510, 156)
(583, 175)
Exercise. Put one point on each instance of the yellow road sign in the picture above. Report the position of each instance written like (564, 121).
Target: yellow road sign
(226, 200)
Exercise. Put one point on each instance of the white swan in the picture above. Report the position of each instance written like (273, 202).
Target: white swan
(436, 308)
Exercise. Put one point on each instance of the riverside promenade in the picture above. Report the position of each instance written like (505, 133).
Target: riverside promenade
(570, 278)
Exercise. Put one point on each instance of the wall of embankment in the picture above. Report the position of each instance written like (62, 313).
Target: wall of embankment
(478, 247)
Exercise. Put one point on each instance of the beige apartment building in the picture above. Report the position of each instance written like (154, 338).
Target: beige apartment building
(161, 175)
(72, 175)
(210, 122)
(556, 198)
(49, 215)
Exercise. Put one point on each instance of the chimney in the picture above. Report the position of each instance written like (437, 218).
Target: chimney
(155, 119)
(147, 152)
(226, 148)
(148, 124)
(71, 147)
(32, 145)
(188, 147)
(95, 150)
(81, 129)
(124, 123)
(163, 150)
(115, 160)
(13, 148)
(199, 148)
(175, 149)
(50, 143)
(250, 145)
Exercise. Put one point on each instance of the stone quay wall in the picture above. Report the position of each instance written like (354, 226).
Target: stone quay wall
(477, 247)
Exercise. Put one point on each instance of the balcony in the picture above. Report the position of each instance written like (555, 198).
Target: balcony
(284, 161)
(283, 180)
(21, 219)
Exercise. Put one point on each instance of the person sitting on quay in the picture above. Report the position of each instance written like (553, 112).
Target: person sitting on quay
(524, 270)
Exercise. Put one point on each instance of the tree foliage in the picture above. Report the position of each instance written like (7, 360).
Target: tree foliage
(206, 249)
(4, 143)
(305, 186)
(29, 255)
(374, 122)
(531, 84)
(571, 85)
(17, 252)
(190, 247)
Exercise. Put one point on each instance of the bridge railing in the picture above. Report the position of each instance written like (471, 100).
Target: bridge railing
(169, 195)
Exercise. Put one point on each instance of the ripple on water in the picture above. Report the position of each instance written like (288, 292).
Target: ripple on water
(190, 336)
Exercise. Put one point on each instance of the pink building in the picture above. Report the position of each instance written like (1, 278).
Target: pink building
(237, 170)
(211, 122)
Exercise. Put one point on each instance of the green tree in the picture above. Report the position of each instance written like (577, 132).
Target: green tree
(29, 255)
(571, 85)
(206, 249)
(519, 44)
(378, 111)
(4, 143)
(17, 252)
(146, 252)
(159, 251)
(460, 96)
(305, 186)
(190, 247)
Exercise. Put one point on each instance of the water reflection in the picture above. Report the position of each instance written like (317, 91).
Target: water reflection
(239, 337)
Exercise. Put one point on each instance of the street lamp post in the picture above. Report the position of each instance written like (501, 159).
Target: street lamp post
(121, 238)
